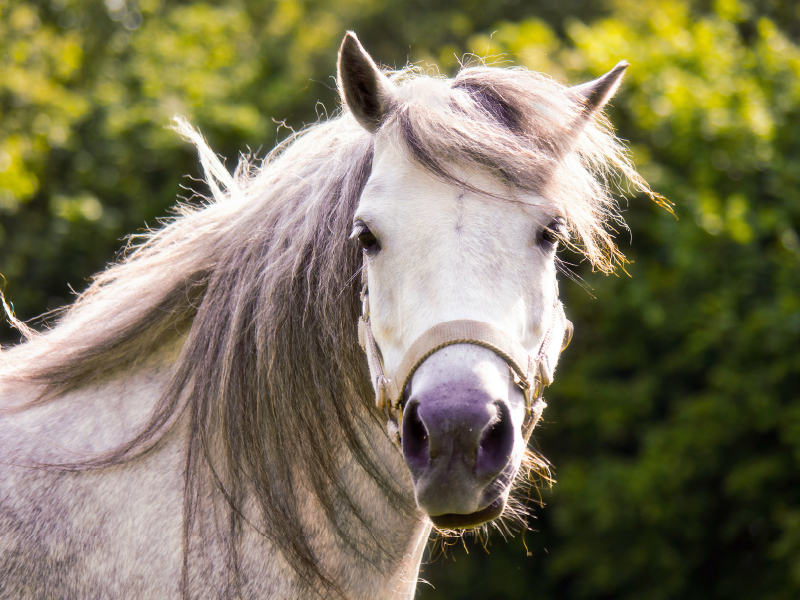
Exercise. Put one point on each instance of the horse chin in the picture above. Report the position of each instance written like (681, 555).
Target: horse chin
(472, 520)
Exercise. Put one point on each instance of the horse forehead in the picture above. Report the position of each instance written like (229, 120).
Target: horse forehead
(443, 243)
(406, 194)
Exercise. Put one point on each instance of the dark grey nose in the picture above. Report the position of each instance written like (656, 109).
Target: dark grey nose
(457, 440)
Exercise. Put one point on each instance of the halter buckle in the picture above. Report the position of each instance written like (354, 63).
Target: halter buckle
(364, 305)
(382, 398)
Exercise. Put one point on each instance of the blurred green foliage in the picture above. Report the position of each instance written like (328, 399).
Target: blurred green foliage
(674, 424)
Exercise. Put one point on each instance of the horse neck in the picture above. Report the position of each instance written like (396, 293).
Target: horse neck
(377, 558)
(382, 556)
(406, 532)
(354, 567)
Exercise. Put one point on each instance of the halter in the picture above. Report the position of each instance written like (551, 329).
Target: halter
(531, 373)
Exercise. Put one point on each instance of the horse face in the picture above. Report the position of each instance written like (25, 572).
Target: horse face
(463, 247)
(438, 252)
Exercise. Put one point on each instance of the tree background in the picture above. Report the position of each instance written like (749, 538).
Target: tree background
(674, 425)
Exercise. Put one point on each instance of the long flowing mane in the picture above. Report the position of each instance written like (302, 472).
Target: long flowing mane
(260, 284)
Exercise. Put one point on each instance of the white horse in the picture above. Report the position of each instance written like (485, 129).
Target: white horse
(203, 423)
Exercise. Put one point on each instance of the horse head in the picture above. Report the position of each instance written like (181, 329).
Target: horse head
(461, 319)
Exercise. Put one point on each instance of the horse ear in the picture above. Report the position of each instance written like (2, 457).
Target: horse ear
(595, 94)
(366, 91)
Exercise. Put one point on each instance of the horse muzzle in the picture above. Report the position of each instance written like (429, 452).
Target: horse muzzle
(462, 436)
(463, 429)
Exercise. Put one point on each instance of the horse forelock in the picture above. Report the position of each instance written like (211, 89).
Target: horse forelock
(261, 281)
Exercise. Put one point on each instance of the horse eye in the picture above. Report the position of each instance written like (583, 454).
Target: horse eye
(367, 241)
(365, 238)
(554, 232)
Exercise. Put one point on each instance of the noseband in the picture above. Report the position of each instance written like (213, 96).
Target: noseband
(532, 373)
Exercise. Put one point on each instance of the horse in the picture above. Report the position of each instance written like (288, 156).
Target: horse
(281, 391)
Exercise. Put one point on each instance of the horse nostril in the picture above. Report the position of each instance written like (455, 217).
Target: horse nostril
(496, 443)
(415, 438)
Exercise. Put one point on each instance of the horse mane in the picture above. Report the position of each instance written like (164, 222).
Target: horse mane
(261, 282)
